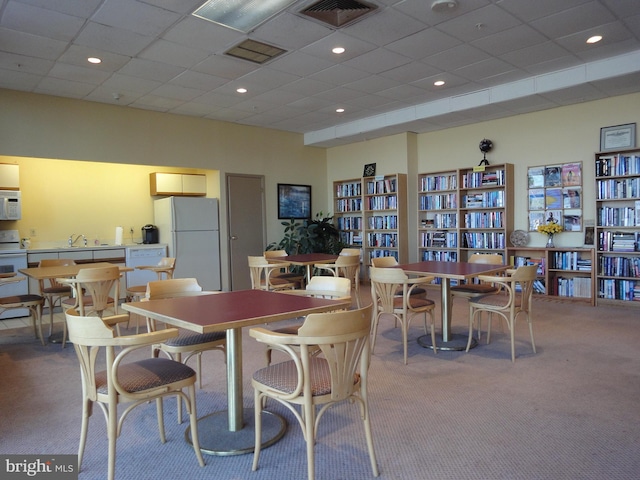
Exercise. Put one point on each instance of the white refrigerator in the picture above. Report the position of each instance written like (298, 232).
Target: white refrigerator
(189, 227)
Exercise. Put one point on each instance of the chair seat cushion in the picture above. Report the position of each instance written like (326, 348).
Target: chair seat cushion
(284, 376)
(414, 302)
(61, 290)
(494, 301)
(21, 299)
(188, 338)
(146, 374)
(475, 288)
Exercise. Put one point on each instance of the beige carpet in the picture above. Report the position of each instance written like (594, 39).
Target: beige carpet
(571, 411)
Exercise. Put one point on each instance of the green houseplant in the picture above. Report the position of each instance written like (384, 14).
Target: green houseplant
(318, 235)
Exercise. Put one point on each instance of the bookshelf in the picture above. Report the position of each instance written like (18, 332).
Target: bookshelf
(438, 216)
(563, 273)
(617, 230)
(385, 217)
(348, 211)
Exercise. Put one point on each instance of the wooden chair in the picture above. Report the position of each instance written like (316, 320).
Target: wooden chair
(308, 381)
(123, 381)
(350, 251)
(470, 290)
(187, 343)
(264, 274)
(388, 262)
(92, 294)
(347, 266)
(33, 303)
(285, 273)
(52, 290)
(513, 301)
(386, 283)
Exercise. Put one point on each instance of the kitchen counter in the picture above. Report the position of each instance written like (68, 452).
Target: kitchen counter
(66, 248)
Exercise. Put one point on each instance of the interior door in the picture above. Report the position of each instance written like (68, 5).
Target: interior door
(246, 220)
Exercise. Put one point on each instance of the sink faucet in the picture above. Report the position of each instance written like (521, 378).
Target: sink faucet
(71, 240)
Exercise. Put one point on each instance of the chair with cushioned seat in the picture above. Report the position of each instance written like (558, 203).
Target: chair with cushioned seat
(308, 384)
(126, 382)
(186, 344)
(391, 294)
(33, 303)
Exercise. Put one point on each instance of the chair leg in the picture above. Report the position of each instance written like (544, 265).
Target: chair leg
(433, 333)
(258, 429)
(369, 436)
(471, 319)
(36, 314)
(178, 358)
(310, 437)
(193, 419)
(160, 411)
(87, 406)
(533, 343)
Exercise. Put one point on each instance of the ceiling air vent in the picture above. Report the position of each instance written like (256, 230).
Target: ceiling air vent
(338, 13)
(256, 52)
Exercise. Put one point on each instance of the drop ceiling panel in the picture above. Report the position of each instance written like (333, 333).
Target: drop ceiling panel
(41, 22)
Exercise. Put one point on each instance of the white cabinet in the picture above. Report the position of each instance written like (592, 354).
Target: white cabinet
(9, 176)
(189, 184)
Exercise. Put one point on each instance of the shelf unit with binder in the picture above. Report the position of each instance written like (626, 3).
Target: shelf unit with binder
(385, 217)
(617, 230)
(438, 216)
(348, 211)
(563, 273)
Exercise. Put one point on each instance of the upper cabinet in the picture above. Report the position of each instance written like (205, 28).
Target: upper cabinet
(9, 176)
(186, 184)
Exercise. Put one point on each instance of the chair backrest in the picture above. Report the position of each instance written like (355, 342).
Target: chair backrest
(261, 271)
(487, 258)
(98, 283)
(385, 284)
(525, 276)
(275, 253)
(54, 262)
(384, 262)
(350, 251)
(349, 267)
(168, 265)
(174, 287)
(330, 286)
(343, 338)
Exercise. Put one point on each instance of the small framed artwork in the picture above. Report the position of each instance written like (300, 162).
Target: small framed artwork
(618, 137)
(369, 170)
(294, 201)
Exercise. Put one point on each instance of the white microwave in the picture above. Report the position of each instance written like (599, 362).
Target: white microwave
(10, 205)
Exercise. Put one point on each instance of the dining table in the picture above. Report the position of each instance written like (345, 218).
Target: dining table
(306, 260)
(448, 271)
(231, 432)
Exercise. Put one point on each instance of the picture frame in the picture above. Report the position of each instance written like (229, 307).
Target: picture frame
(618, 137)
(294, 201)
(369, 170)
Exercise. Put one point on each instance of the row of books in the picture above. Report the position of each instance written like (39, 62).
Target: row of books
(383, 222)
(484, 220)
(483, 179)
(618, 188)
(349, 223)
(351, 238)
(382, 239)
(522, 261)
(619, 266)
(349, 205)
(618, 165)
(619, 216)
(570, 261)
(439, 239)
(378, 253)
(387, 202)
(618, 241)
(439, 202)
(619, 289)
(349, 189)
(493, 199)
(485, 240)
(445, 220)
(579, 287)
(438, 182)
(439, 256)
(381, 186)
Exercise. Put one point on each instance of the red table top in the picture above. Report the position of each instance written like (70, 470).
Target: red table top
(459, 270)
(307, 258)
(224, 310)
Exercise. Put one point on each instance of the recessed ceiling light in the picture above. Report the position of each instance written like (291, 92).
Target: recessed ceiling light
(241, 90)
(338, 50)
(339, 110)
(438, 83)
(594, 39)
(94, 60)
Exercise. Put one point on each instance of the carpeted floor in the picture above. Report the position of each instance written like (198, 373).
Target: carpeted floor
(571, 411)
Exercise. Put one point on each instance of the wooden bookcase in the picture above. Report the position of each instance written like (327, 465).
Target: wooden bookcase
(348, 211)
(617, 230)
(563, 273)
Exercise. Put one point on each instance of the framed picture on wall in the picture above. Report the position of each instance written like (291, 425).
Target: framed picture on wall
(294, 201)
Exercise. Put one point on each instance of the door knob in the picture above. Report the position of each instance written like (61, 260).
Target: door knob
(234, 237)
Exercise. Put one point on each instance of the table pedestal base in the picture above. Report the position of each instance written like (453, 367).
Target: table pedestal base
(217, 439)
(456, 342)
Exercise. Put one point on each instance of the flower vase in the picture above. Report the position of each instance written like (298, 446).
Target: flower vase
(550, 241)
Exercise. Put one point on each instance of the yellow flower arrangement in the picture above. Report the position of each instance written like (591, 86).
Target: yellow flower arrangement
(550, 228)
